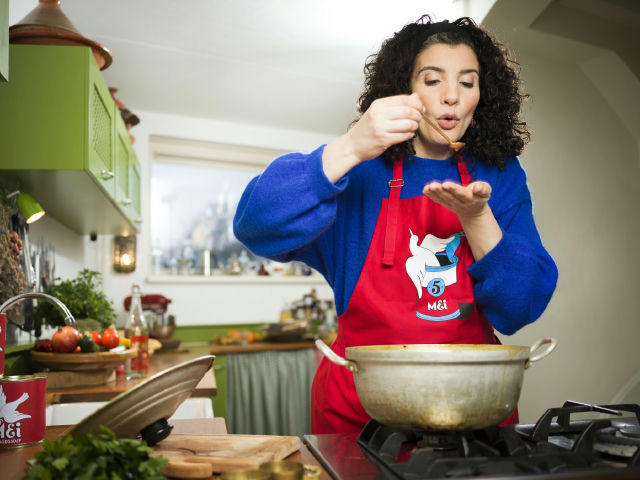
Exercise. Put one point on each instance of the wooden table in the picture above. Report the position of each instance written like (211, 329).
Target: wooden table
(158, 362)
(13, 460)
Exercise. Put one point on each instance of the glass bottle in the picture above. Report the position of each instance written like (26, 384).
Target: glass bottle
(137, 332)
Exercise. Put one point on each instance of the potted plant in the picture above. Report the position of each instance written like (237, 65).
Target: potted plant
(83, 298)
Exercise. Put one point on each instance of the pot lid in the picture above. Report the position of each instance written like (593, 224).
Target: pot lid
(144, 409)
(47, 24)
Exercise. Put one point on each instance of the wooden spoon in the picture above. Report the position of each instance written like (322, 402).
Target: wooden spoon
(453, 145)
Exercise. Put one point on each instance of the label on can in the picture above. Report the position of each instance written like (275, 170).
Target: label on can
(141, 361)
(22, 410)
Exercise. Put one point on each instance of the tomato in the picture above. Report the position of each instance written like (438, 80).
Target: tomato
(77, 349)
(96, 337)
(110, 338)
(65, 339)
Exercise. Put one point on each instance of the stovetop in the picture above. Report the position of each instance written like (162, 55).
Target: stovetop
(605, 444)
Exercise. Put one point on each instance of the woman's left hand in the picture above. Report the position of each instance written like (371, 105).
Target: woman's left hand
(467, 202)
(471, 204)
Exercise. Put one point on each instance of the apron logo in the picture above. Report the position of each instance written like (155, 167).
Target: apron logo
(432, 269)
(10, 416)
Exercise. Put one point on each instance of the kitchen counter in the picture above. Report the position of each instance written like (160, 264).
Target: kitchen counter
(261, 347)
(158, 362)
(13, 460)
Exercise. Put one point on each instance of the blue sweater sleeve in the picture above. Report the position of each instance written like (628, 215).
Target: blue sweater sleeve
(286, 207)
(516, 279)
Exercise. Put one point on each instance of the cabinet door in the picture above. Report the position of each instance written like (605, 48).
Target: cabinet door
(134, 190)
(127, 174)
(123, 168)
(101, 158)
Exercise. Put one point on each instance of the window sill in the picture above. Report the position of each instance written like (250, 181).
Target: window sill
(314, 279)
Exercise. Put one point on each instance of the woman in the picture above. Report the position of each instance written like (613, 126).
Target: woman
(420, 243)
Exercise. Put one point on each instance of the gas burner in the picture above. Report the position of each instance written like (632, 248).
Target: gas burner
(618, 436)
(627, 429)
(439, 441)
(548, 447)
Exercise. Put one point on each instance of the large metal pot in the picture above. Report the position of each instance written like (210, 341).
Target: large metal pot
(440, 387)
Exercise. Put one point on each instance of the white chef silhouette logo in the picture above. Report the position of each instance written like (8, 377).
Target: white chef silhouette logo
(432, 269)
(9, 410)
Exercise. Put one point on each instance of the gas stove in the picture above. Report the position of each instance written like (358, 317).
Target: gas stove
(576, 440)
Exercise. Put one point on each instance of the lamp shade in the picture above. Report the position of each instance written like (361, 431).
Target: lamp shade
(29, 207)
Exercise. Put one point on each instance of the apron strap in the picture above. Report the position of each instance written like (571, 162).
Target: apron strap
(465, 177)
(395, 184)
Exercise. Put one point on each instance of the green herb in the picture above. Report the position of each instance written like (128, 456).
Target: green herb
(89, 456)
(82, 296)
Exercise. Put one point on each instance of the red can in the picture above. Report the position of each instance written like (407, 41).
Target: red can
(3, 340)
(22, 410)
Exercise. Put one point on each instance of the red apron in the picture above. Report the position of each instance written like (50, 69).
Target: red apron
(413, 288)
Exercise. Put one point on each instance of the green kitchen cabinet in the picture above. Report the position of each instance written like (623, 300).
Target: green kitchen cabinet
(63, 140)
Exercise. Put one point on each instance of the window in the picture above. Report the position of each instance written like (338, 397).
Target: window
(194, 191)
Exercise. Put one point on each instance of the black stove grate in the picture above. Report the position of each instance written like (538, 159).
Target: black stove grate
(544, 448)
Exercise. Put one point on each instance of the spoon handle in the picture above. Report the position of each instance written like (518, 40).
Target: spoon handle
(454, 145)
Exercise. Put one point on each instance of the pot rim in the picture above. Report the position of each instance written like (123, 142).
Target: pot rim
(439, 353)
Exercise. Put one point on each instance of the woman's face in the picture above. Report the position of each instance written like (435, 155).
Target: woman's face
(446, 78)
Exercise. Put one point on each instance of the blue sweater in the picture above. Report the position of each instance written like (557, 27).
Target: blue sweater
(293, 212)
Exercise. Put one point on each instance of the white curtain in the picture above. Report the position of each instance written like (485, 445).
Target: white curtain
(269, 393)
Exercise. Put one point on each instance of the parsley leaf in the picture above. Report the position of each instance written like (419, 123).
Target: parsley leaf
(89, 456)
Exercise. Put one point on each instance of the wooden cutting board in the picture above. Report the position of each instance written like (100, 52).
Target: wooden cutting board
(87, 378)
(199, 456)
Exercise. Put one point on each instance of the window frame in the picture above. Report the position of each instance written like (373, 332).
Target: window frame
(218, 155)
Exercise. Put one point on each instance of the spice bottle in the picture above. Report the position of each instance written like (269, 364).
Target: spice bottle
(136, 331)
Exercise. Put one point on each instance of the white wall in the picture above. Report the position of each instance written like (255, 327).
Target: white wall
(70, 247)
(583, 169)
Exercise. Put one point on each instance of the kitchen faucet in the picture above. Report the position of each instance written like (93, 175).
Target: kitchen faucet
(69, 320)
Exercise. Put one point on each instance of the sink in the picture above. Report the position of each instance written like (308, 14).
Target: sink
(72, 413)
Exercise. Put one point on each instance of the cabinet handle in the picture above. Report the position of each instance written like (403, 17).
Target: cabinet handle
(106, 174)
(218, 367)
(125, 201)
(138, 220)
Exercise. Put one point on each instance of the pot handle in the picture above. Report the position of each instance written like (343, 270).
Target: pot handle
(550, 345)
(335, 358)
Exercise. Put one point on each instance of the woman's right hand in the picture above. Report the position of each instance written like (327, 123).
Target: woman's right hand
(386, 122)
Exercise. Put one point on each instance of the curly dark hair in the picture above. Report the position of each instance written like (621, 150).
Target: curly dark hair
(499, 133)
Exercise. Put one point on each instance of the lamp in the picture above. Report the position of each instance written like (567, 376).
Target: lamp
(124, 253)
(28, 206)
